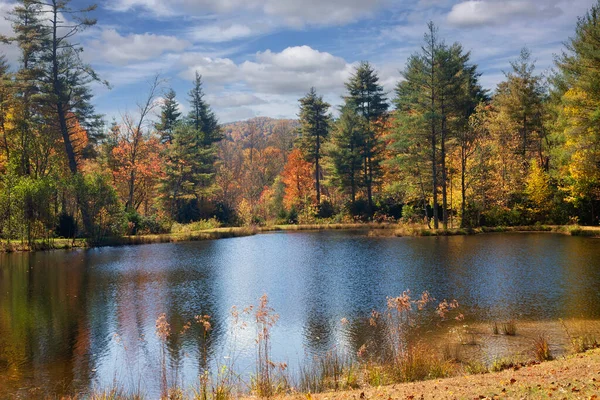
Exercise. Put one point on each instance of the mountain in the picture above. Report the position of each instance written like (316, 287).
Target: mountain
(263, 128)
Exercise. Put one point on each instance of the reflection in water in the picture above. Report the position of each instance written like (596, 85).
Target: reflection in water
(79, 320)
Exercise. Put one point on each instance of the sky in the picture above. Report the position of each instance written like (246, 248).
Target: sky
(258, 57)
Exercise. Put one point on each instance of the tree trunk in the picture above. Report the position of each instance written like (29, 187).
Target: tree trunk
(463, 188)
(444, 172)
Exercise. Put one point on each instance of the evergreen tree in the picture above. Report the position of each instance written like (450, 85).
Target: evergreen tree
(367, 97)
(314, 129)
(65, 82)
(345, 152)
(31, 36)
(189, 173)
(439, 92)
(169, 117)
(201, 117)
(576, 129)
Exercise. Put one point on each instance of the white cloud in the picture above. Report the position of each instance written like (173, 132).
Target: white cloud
(213, 70)
(293, 70)
(486, 12)
(113, 48)
(292, 12)
(234, 100)
(222, 33)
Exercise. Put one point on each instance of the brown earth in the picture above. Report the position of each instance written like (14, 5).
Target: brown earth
(575, 377)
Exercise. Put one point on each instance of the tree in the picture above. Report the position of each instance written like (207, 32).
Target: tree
(169, 117)
(367, 97)
(133, 141)
(201, 116)
(434, 102)
(297, 177)
(576, 129)
(189, 172)
(30, 35)
(344, 152)
(314, 129)
(417, 100)
(66, 78)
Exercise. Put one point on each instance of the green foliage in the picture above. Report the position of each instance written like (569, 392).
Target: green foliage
(169, 117)
(345, 153)
(367, 99)
(314, 130)
(99, 197)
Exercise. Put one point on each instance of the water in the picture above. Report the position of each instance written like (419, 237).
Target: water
(81, 320)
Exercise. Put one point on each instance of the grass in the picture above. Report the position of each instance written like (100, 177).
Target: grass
(332, 371)
(580, 336)
(509, 328)
(541, 348)
(211, 230)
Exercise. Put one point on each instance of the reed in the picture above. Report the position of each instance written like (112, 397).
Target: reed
(541, 348)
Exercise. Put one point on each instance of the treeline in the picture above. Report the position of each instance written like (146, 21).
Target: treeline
(439, 150)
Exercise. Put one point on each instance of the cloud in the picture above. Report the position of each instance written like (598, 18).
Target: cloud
(213, 70)
(234, 99)
(113, 48)
(485, 12)
(222, 33)
(293, 70)
(292, 12)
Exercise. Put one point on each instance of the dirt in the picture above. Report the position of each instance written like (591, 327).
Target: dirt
(575, 377)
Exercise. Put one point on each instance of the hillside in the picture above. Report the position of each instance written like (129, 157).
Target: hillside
(263, 127)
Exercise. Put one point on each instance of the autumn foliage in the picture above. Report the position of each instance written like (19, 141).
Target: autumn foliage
(298, 179)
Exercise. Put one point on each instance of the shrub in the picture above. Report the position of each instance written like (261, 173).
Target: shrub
(67, 226)
(541, 348)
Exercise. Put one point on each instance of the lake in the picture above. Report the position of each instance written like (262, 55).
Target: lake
(82, 320)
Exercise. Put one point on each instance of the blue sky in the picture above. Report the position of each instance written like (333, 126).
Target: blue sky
(257, 57)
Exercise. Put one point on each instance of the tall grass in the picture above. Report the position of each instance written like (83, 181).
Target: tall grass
(332, 371)
(541, 348)
(580, 337)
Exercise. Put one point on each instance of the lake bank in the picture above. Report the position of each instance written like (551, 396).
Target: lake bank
(372, 229)
(572, 377)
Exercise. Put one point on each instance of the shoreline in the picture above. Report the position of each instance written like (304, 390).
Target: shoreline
(372, 229)
(576, 376)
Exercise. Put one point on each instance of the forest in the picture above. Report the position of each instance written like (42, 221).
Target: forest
(439, 150)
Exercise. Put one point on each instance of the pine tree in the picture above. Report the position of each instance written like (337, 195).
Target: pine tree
(314, 129)
(65, 82)
(367, 97)
(344, 152)
(169, 117)
(189, 172)
(576, 97)
(31, 36)
(201, 117)
(439, 92)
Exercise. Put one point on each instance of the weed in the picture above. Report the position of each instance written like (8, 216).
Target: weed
(541, 348)
(509, 328)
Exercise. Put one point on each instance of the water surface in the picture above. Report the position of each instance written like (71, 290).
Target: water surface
(79, 320)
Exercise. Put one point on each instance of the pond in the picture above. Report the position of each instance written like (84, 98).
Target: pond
(83, 320)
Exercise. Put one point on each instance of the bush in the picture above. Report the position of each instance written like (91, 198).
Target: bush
(226, 214)
(292, 217)
(201, 225)
(326, 210)
(359, 209)
(67, 226)
(99, 201)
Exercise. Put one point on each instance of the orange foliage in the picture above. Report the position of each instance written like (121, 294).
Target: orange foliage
(79, 137)
(298, 179)
(141, 159)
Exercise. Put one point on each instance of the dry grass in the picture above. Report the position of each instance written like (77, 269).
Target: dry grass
(332, 371)
(541, 348)
(509, 328)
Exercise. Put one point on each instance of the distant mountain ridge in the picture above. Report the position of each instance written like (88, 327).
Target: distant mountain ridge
(263, 126)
